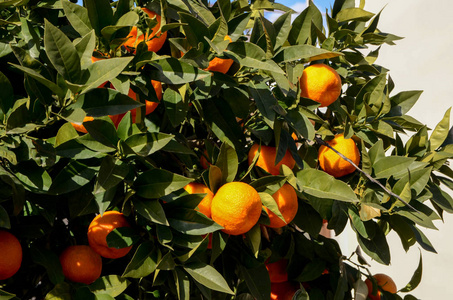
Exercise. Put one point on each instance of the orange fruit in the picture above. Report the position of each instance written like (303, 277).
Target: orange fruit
(266, 160)
(320, 83)
(237, 207)
(384, 282)
(81, 264)
(198, 188)
(154, 40)
(98, 230)
(277, 271)
(150, 105)
(221, 65)
(284, 290)
(11, 255)
(334, 164)
(286, 199)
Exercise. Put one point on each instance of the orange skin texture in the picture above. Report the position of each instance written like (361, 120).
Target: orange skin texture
(334, 164)
(155, 40)
(384, 282)
(220, 64)
(237, 207)
(11, 255)
(284, 290)
(320, 83)
(98, 230)
(266, 159)
(198, 188)
(287, 203)
(277, 271)
(81, 264)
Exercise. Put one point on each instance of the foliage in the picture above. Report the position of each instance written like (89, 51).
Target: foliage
(54, 180)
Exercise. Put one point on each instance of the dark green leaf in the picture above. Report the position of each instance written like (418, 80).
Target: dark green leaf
(62, 53)
(208, 276)
(176, 108)
(112, 172)
(306, 53)
(322, 185)
(148, 143)
(192, 222)
(416, 278)
(257, 280)
(173, 71)
(103, 131)
(4, 219)
(112, 285)
(227, 162)
(376, 247)
(157, 183)
(78, 17)
(395, 166)
(100, 14)
(7, 94)
(50, 261)
(151, 210)
(73, 176)
(103, 70)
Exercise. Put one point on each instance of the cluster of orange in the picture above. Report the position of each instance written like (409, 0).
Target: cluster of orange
(82, 263)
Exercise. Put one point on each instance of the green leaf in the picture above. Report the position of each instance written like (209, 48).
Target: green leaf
(282, 27)
(103, 131)
(195, 30)
(312, 270)
(192, 222)
(302, 27)
(144, 261)
(227, 162)
(306, 53)
(376, 247)
(157, 183)
(100, 14)
(122, 237)
(33, 177)
(265, 101)
(416, 278)
(112, 285)
(7, 94)
(78, 17)
(440, 133)
(148, 143)
(103, 102)
(172, 71)
(73, 176)
(61, 291)
(49, 260)
(322, 185)
(85, 47)
(208, 276)
(422, 239)
(257, 280)
(151, 210)
(182, 284)
(353, 14)
(62, 53)
(112, 172)
(308, 219)
(404, 101)
(41, 79)
(269, 202)
(103, 70)
(252, 56)
(4, 219)
(395, 166)
(176, 108)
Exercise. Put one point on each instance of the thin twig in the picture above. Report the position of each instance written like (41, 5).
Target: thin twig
(322, 142)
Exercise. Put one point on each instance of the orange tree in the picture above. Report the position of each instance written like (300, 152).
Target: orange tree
(62, 62)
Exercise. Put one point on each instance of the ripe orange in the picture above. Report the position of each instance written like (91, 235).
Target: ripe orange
(98, 230)
(198, 188)
(81, 264)
(286, 199)
(277, 271)
(11, 255)
(237, 207)
(150, 105)
(320, 83)
(220, 64)
(385, 282)
(334, 164)
(266, 160)
(155, 39)
(284, 290)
